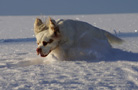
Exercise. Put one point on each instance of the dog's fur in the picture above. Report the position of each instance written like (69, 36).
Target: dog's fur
(67, 39)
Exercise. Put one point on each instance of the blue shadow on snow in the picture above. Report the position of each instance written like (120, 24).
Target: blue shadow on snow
(17, 40)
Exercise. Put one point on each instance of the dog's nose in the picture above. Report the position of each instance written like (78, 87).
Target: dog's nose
(38, 50)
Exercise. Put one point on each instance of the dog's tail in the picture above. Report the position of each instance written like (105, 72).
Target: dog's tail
(113, 39)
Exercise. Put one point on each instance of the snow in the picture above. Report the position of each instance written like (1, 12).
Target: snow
(22, 69)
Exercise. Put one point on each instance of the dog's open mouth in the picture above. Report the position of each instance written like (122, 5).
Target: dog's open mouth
(43, 55)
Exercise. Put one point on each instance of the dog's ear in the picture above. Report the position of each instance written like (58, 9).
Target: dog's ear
(39, 26)
(52, 25)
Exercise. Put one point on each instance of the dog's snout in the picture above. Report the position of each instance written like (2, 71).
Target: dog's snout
(38, 50)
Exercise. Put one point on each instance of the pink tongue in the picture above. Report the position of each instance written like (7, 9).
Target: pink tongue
(37, 53)
(37, 50)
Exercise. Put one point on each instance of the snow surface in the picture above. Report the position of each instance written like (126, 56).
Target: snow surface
(22, 69)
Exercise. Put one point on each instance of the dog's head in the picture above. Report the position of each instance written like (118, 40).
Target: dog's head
(47, 36)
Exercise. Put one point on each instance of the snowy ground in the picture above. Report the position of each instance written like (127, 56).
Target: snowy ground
(22, 69)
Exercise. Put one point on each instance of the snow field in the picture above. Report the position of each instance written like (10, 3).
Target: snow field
(22, 69)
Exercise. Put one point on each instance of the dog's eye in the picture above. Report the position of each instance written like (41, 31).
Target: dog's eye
(44, 43)
(50, 41)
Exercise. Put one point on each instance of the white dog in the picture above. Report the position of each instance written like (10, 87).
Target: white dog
(71, 39)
